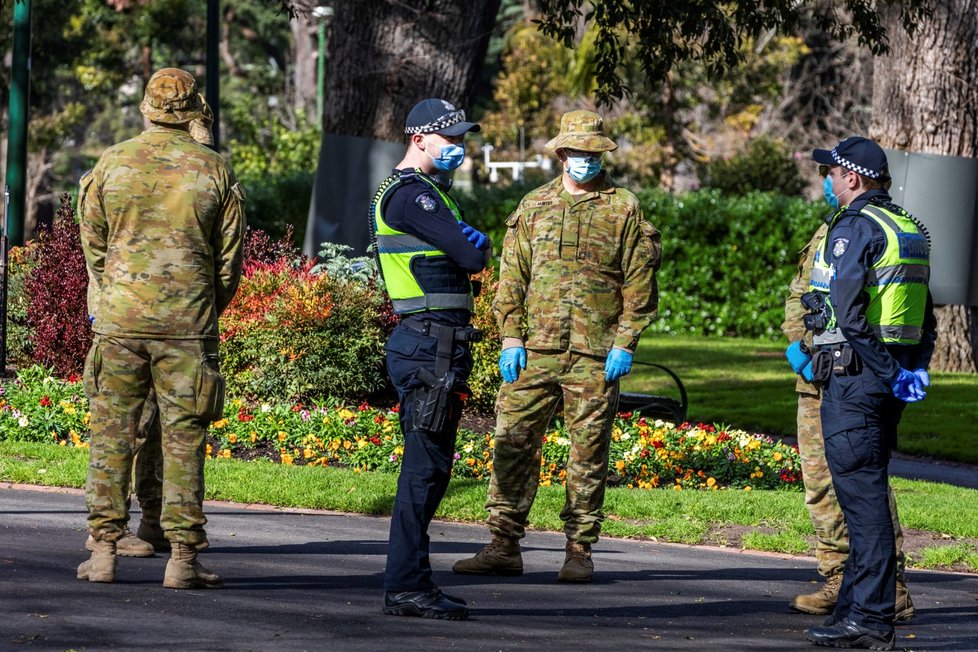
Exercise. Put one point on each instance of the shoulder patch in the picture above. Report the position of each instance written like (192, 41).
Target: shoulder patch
(238, 191)
(839, 246)
(427, 202)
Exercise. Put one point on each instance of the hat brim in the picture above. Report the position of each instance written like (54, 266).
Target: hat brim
(823, 156)
(458, 129)
(173, 117)
(583, 142)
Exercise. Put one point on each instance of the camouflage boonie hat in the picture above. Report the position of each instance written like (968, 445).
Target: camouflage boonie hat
(171, 97)
(583, 130)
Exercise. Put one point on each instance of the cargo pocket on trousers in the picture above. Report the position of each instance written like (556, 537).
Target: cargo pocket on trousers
(210, 389)
(93, 367)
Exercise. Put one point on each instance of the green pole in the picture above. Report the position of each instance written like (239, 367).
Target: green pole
(17, 121)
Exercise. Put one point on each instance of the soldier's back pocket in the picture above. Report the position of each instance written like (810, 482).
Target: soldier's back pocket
(210, 389)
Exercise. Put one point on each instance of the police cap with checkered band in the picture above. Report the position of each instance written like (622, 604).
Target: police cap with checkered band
(434, 116)
(861, 155)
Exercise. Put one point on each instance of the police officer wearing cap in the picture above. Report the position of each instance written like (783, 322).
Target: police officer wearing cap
(426, 255)
(874, 331)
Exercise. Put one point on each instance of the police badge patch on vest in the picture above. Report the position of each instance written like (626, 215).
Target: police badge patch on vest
(426, 202)
(839, 246)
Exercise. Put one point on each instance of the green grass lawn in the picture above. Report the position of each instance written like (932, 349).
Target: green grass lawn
(763, 520)
(748, 384)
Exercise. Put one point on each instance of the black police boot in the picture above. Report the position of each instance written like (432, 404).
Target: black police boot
(848, 634)
(431, 603)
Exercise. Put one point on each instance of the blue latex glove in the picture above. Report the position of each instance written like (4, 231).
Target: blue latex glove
(91, 321)
(476, 237)
(799, 360)
(511, 360)
(907, 387)
(923, 376)
(618, 364)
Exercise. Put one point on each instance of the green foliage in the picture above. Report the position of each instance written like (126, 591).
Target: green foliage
(290, 335)
(276, 163)
(22, 261)
(485, 378)
(707, 31)
(36, 406)
(727, 261)
(487, 207)
(766, 165)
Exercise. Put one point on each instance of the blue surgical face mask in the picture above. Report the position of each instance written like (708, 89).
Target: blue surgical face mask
(449, 156)
(583, 168)
(830, 195)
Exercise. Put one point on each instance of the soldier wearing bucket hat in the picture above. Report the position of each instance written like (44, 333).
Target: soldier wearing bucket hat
(426, 254)
(162, 226)
(591, 258)
(872, 319)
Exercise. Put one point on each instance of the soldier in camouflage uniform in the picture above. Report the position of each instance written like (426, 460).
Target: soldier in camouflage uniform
(148, 462)
(832, 546)
(577, 287)
(162, 225)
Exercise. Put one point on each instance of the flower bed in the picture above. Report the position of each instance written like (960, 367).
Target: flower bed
(645, 454)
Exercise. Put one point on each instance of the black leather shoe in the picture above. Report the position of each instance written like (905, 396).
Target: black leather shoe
(427, 604)
(848, 634)
(452, 598)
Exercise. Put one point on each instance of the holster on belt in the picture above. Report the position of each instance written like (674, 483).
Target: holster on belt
(433, 401)
(821, 366)
(845, 362)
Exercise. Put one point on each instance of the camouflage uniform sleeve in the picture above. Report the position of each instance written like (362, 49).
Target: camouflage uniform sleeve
(94, 229)
(793, 327)
(228, 243)
(514, 276)
(641, 257)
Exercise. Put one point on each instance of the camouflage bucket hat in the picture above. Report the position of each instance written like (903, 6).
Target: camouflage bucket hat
(583, 130)
(171, 97)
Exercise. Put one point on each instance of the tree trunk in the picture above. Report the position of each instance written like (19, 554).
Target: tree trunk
(305, 35)
(387, 55)
(925, 99)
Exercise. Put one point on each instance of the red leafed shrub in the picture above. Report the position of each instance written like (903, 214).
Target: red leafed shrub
(57, 310)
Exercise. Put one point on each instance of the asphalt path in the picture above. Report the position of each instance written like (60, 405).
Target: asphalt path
(309, 580)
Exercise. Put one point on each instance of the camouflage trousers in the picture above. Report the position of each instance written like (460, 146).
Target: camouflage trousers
(148, 465)
(832, 546)
(524, 410)
(120, 375)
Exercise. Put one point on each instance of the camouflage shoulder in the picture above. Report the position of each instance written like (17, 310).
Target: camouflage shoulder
(544, 194)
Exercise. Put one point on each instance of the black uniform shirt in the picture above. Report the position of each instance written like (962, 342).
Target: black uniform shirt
(416, 208)
(855, 243)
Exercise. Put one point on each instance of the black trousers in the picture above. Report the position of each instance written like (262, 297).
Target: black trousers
(426, 466)
(859, 421)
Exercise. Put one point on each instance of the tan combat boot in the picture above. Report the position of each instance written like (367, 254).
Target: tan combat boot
(152, 534)
(101, 566)
(500, 557)
(578, 566)
(904, 605)
(822, 601)
(128, 546)
(183, 571)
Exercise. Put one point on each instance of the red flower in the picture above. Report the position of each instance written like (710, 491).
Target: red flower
(45, 401)
(363, 407)
(297, 407)
(645, 451)
(73, 378)
(723, 436)
(375, 440)
(658, 444)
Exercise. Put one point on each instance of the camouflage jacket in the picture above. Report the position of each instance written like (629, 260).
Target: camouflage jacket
(162, 225)
(578, 272)
(793, 326)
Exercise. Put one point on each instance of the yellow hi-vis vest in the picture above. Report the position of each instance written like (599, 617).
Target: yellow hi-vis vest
(397, 251)
(896, 283)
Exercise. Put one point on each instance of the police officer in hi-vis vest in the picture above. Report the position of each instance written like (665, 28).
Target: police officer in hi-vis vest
(874, 329)
(426, 255)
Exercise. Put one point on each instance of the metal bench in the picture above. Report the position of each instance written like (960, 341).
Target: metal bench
(656, 407)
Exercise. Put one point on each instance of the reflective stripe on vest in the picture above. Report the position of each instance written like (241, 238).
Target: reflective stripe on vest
(896, 283)
(396, 250)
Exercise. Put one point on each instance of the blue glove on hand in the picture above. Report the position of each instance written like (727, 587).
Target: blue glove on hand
(907, 387)
(478, 238)
(800, 360)
(618, 364)
(511, 361)
(923, 376)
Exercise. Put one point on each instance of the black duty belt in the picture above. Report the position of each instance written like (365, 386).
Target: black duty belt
(446, 335)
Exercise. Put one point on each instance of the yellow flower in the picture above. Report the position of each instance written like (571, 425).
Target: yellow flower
(282, 435)
(711, 482)
(254, 436)
(747, 488)
(347, 444)
(232, 438)
(620, 465)
(677, 487)
(226, 453)
(287, 459)
(778, 457)
(220, 424)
